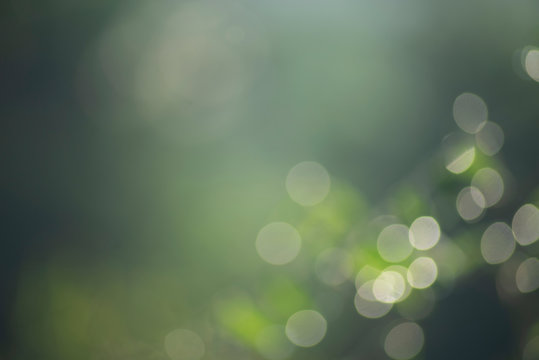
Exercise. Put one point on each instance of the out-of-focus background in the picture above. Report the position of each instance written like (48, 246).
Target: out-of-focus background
(256, 179)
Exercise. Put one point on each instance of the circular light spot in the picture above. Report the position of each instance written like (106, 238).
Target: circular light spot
(334, 266)
(527, 276)
(308, 183)
(424, 233)
(182, 344)
(490, 183)
(462, 161)
(389, 287)
(278, 243)
(450, 260)
(404, 341)
(272, 344)
(470, 112)
(365, 291)
(371, 309)
(470, 203)
(526, 224)
(459, 152)
(531, 350)
(402, 271)
(393, 243)
(497, 243)
(306, 328)
(531, 63)
(422, 272)
(366, 273)
(490, 138)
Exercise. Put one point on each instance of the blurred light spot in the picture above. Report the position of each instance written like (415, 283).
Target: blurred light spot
(272, 343)
(187, 61)
(531, 350)
(306, 328)
(505, 279)
(334, 266)
(403, 272)
(308, 183)
(365, 291)
(490, 183)
(462, 162)
(366, 273)
(404, 341)
(382, 221)
(459, 152)
(422, 272)
(450, 260)
(418, 306)
(531, 63)
(527, 276)
(278, 243)
(470, 112)
(526, 224)
(388, 287)
(370, 308)
(497, 243)
(182, 344)
(490, 138)
(470, 203)
(393, 243)
(424, 233)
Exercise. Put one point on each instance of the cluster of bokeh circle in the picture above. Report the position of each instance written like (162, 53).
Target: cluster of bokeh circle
(278, 243)
(379, 290)
(308, 183)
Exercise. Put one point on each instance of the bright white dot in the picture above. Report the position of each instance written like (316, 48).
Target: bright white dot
(531, 63)
(393, 243)
(422, 272)
(404, 341)
(531, 350)
(490, 138)
(497, 243)
(490, 183)
(424, 233)
(389, 287)
(470, 203)
(308, 183)
(462, 161)
(306, 328)
(526, 224)
(470, 112)
(334, 266)
(182, 344)
(278, 243)
(272, 344)
(527, 276)
(371, 309)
